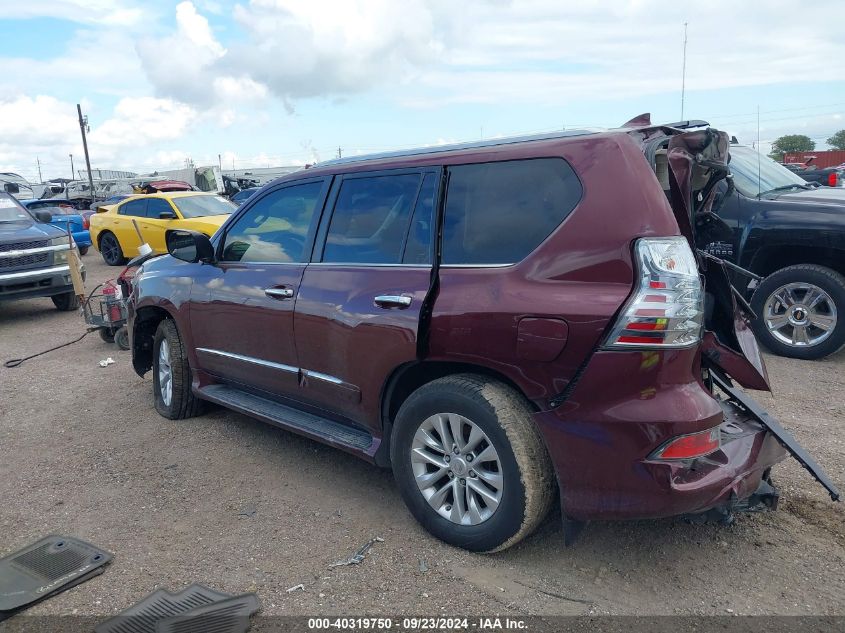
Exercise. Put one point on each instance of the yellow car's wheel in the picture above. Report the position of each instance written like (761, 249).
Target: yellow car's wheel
(110, 250)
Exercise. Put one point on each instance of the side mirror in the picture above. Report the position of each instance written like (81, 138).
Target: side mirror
(189, 246)
(167, 215)
(43, 216)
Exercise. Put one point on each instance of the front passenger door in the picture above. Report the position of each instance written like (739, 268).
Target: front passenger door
(153, 226)
(242, 307)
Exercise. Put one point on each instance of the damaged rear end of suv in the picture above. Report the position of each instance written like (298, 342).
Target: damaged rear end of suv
(494, 321)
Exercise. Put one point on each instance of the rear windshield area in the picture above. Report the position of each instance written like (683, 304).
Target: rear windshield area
(200, 206)
(497, 213)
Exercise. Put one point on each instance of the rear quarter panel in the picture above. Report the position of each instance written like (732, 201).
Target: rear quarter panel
(582, 273)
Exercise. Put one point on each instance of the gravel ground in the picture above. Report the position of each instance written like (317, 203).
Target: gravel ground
(241, 506)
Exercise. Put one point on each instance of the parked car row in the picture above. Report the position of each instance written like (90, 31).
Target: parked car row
(499, 326)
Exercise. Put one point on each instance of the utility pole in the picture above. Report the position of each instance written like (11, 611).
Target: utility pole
(40, 177)
(220, 162)
(72, 173)
(83, 123)
(339, 153)
(684, 73)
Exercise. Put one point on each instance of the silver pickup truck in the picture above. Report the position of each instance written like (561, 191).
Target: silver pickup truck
(33, 256)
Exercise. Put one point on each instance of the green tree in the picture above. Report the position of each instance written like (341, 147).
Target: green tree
(837, 141)
(791, 143)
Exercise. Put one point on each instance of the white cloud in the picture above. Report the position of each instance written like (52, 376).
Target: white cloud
(106, 12)
(48, 128)
(143, 121)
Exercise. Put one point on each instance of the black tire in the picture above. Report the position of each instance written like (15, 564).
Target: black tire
(505, 418)
(824, 278)
(183, 404)
(106, 334)
(83, 250)
(110, 250)
(66, 302)
(121, 337)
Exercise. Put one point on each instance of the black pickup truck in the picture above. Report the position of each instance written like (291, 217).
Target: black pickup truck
(792, 235)
(827, 177)
(33, 256)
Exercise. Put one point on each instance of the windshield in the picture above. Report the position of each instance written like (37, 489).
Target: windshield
(199, 206)
(772, 175)
(11, 211)
(60, 210)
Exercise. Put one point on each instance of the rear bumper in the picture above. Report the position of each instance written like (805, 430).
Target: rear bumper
(600, 440)
(41, 282)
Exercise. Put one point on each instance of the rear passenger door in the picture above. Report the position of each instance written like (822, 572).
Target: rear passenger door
(123, 227)
(358, 309)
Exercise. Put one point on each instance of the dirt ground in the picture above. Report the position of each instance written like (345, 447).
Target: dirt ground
(240, 506)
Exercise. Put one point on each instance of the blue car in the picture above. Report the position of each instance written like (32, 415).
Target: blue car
(63, 215)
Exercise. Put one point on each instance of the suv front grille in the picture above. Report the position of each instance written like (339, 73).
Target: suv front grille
(24, 261)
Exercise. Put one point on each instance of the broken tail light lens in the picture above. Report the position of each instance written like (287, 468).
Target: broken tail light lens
(667, 308)
(690, 446)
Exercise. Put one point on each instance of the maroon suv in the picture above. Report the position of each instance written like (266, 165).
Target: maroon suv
(495, 321)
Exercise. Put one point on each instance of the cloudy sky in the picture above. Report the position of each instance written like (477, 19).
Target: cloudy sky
(271, 82)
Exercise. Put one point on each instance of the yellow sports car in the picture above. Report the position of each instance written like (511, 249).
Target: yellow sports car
(116, 237)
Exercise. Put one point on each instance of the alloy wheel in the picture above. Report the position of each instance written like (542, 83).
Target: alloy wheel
(457, 469)
(110, 249)
(800, 314)
(165, 373)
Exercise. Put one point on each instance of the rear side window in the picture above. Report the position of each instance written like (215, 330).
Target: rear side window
(497, 213)
(135, 208)
(370, 220)
(418, 245)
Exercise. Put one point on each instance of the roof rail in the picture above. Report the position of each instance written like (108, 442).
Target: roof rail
(436, 149)
(683, 125)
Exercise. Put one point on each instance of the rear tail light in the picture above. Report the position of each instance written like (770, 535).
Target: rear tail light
(86, 222)
(690, 446)
(832, 179)
(667, 309)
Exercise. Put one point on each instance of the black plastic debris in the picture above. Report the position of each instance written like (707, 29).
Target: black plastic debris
(226, 616)
(46, 568)
(144, 616)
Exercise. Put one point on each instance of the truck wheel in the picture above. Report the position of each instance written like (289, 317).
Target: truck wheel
(83, 250)
(66, 302)
(801, 311)
(172, 375)
(111, 251)
(470, 464)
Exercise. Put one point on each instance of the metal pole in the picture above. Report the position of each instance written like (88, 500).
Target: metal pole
(72, 173)
(220, 162)
(85, 147)
(40, 177)
(684, 73)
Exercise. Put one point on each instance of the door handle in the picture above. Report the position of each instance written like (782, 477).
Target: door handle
(279, 293)
(392, 301)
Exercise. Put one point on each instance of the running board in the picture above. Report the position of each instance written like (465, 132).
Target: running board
(319, 428)
(781, 434)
